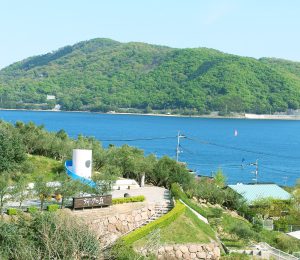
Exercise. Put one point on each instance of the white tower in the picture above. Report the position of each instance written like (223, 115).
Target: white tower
(82, 163)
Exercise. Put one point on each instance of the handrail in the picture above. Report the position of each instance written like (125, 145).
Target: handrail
(277, 252)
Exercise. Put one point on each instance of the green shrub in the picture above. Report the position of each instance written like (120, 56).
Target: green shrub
(236, 256)
(281, 225)
(122, 251)
(243, 231)
(215, 213)
(158, 223)
(32, 209)
(140, 198)
(177, 193)
(53, 207)
(280, 240)
(12, 211)
(47, 235)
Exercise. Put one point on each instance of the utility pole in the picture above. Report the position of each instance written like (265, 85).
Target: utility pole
(256, 170)
(178, 150)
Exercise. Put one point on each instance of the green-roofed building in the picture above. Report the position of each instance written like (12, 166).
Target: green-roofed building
(252, 192)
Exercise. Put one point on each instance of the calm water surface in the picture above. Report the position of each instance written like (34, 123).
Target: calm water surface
(274, 143)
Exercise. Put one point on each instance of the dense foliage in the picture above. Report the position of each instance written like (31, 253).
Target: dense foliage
(108, 164)
(47, 236)
(103, 75)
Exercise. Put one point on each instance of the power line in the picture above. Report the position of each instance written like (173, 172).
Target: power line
(241, 149)
(277, 170)
(138, 139)
(217, 165)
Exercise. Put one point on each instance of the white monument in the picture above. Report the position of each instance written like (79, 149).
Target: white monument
(82, 163)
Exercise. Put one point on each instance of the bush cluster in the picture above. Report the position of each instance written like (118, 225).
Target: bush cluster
(53, 207)
(32, 209)
(159, 223)
(139, 198)
(12, 211)
(47, 236)
(179, 194)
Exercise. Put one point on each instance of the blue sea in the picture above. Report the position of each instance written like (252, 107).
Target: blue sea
(232, 145)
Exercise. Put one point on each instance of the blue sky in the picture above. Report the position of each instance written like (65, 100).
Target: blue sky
(256, 28)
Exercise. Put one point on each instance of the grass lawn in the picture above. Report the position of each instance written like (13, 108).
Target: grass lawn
(187, 228)
(40, 165)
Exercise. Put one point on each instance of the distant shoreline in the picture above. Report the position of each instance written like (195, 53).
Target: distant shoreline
(213, 116)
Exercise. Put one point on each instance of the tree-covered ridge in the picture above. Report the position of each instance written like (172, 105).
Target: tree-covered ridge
(103, 75)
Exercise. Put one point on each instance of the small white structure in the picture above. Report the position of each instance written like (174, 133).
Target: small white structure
(57, 107)
(50, 97)
(125, 184)
(82, 163)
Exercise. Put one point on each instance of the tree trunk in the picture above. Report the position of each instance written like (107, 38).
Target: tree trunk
(62, 202)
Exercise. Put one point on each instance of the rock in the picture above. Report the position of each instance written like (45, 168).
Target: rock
(217, 252)
(111, 228)
(126, 228)
(112, 220)
(201, 255)
(144, 215)
(168, 249)
(122, 217)
(176, 247)
(186, 256)
(193, 248)
(130, 226)
(199, 248)
(193, 255)
(138, 217)
(209, 247)
(119, 226)
(161, 250)
(178, 254)
(129, 218)
(184, 249)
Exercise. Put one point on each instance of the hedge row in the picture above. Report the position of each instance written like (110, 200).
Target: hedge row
(158, 223)
(12, 211)
(177, 193)
(128, 199)
(52, 207)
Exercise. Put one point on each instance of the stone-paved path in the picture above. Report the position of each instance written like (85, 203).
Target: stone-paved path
(152, 194)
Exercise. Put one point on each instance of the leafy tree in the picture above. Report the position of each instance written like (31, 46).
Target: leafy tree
(5, 190)
(43, 190)
(12, 150)
(69, 188)
(167, 171)
(20, 190)
(220, 178)
(105, 179)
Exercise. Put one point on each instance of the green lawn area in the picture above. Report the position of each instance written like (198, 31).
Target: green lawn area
(187, 228)
(39, 165)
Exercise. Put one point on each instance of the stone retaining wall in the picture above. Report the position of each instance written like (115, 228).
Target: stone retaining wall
(186, 251)
(110, 227)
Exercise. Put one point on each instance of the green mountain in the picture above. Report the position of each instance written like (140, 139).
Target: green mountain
(103, 75)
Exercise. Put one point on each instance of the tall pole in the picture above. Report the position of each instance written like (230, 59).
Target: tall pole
(178, 151)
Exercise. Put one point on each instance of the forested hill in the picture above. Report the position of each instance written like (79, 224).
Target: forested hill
(103, 75)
